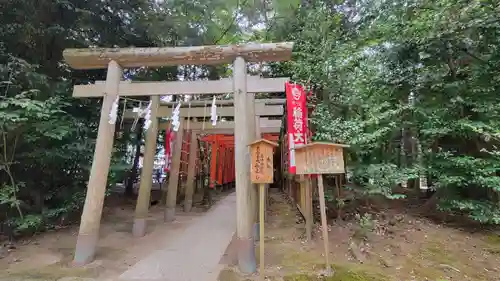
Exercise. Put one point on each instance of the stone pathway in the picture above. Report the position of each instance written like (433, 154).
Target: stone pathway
(195, 254)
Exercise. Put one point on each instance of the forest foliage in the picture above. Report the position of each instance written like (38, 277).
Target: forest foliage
(411, 85)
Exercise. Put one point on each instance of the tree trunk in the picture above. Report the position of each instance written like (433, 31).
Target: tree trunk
(129, 188)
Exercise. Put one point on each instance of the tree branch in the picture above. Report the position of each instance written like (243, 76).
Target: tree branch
(226, 30)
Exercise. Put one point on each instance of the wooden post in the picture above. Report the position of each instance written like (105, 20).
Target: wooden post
(320, 158)
(246, 253)
(232, 172)
(173, 180)
(303, 203)
(220, 164)
(92, 210)
(193, 153)
(262, 211)
(261, 173)
(227, 162)
(144, 197)
(254, 189)
(258, 135)
(324, 225)
(308, 210)
(213, 163)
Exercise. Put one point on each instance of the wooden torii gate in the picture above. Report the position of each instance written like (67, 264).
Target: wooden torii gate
(115, 59)
(263, 107)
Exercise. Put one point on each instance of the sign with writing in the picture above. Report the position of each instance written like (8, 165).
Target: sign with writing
(320, 158)
(296, 120)
(262, 169)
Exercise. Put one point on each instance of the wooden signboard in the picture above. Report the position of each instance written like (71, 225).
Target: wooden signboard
(262, 168)
(320, 158)
(261, 172)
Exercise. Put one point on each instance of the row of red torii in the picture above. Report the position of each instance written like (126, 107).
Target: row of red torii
(221, 165)
(245, 126)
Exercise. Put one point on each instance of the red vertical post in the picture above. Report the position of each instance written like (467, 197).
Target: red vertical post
(224, 164)
(233, 176)
(220, 165)
(227, 162)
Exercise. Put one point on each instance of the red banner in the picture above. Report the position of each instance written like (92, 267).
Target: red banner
(169, 138)
(296, 120)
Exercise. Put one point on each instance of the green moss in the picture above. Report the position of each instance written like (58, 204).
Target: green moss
(228, 275)
(351, 273)
(493, 239)
(434, 259)
(341, 273)
(425, 262)
(53, 272)
(300, 277)
(493, 244)
(423, 270)
(300, 260)
(436, 252)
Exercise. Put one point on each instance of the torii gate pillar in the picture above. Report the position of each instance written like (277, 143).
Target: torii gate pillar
(88, 235)
(244, 204)
(146, 183)
(114, 59)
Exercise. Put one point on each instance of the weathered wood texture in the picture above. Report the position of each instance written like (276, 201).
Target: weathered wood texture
(242, 137)
(273, 130)
(201, 103)
(263, 122)
(320, 158)
(324, 224)
(165, 111)
(261, 164)
(193, 153)
(92, 210)
(144, 196)
(308, 210)
(173, 180)
(260, 110)
(258, 135)
(200, 87)
(304, 203)
(96, 58)
(262, 238)
(254, 190)
(229, 125)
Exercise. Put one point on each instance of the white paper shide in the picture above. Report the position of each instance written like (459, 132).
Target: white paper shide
(175, 117)
(213, 113)
(113, 113)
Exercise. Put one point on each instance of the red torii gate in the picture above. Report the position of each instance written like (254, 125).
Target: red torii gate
(222, 169)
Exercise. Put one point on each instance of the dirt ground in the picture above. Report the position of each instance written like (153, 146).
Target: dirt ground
(48, 256)
(400, 247)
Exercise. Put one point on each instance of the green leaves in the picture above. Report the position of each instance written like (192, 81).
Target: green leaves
(381, 179)
(8, 195)
(47, 137)
(412, 86)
